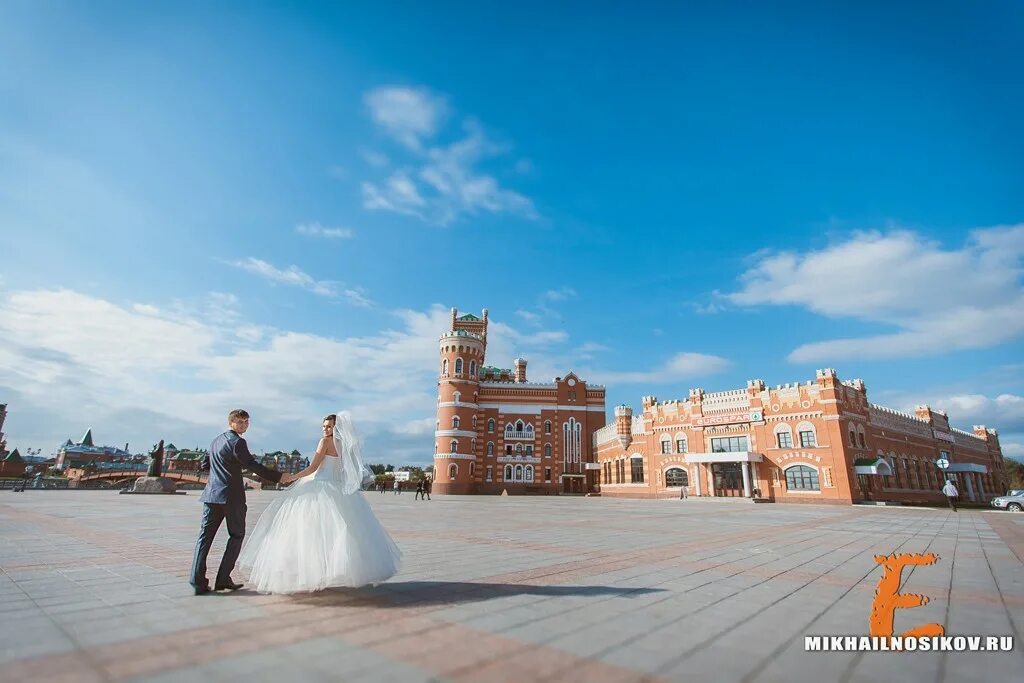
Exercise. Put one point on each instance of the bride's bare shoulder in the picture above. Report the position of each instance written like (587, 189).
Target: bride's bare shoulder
(326, 446)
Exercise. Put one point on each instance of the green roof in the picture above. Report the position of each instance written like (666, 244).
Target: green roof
(470, 317)
(865, 462)
(87, 439)
(13, 456)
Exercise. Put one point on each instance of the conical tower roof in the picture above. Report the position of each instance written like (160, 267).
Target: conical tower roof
(87, 439)
(13, 456)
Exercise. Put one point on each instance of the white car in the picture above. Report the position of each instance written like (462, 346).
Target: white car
(1012, 501)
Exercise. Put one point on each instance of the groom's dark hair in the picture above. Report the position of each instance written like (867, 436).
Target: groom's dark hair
(237, 414)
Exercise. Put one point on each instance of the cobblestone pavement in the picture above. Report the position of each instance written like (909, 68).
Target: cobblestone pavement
(93, 587)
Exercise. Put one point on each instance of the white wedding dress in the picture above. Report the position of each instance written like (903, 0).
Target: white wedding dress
(320, 533)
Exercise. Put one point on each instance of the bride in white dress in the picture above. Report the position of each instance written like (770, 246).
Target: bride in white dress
(321, 532)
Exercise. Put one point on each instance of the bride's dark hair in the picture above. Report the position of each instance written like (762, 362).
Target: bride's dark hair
(332, 418)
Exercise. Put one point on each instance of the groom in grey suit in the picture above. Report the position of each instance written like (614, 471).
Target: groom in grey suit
(224, 499)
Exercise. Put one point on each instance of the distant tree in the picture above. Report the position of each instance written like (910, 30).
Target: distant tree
(377, 469)
(1014, 473)
(389, 468)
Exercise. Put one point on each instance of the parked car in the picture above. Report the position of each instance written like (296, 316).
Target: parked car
(1012, 501)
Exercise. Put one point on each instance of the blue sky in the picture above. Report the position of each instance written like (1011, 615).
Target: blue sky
(274, 206)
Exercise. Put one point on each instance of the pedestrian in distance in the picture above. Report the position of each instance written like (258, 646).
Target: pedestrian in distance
(419, 490)
(949, 490)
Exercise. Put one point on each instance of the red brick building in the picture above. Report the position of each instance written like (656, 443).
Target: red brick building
(498, 432)
(821, 441)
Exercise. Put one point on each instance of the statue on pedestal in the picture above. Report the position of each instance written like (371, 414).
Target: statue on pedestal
(154, 481)
(156, 461)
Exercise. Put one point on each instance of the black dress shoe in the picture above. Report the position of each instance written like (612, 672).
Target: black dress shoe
(202, 590)
(229, 586)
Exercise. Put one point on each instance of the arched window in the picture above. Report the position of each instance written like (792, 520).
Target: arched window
(666, 444)
(490, 448)
(458, 366)
(547, 426)
(529, 429)
(444, 367)
(529, 451)
(529, 473)
(680, 443)
(508, 472)
(547, 450)
(474, 422)
(490, 426)
(676, 477)
(860, 437)
(802, 478)
(453, 469)
(519, 449)
(636, 466)
(472, 368)
(509, 429)
(455, 422)
(457, 396)
(473, 446)
(454, 446)
(472, 468)
(519, 425)
(853, 437)
(808, 437)
(783, 436)
(519, 473)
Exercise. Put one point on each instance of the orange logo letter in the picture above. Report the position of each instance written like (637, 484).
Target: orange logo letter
(887, 600)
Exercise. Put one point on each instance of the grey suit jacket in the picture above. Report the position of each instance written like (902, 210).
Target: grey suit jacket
(229, 455)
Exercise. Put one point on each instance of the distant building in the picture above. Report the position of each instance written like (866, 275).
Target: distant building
(289, 463)
(819, 441)
(86, 452)
(401, 476)
(12, 465)
(497, 432)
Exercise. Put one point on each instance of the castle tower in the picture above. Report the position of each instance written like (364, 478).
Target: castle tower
(519, 364)
(456, 447)
(3, 441)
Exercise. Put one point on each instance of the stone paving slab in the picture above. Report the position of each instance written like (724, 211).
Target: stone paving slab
(93, 588)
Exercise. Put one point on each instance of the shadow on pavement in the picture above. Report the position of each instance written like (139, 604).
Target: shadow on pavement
(415, 593)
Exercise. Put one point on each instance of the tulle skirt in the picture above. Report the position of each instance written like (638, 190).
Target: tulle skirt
(315, 536)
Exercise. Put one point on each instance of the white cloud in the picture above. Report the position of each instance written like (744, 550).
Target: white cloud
(72, 361)
(1013, 450)
(560, 294)
(375, 158)
(407, 114)
(1004, 412)
(317, 230)
(441, 182)
(529, 316)
(939, 300)
(295, 276)
(683, 365)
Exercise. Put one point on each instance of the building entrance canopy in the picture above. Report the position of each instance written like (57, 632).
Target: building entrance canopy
(878, 466)
(967, 467)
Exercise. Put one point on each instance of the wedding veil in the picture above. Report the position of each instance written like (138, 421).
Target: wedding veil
(353, 471)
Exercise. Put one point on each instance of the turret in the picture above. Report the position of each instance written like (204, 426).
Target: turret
(461, 352)
(624, 425)
(827, 378)
(519, 365)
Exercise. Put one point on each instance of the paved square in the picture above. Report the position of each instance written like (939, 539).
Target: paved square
(93, 587)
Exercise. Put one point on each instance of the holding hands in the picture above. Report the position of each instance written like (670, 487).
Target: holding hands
(287, 478)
